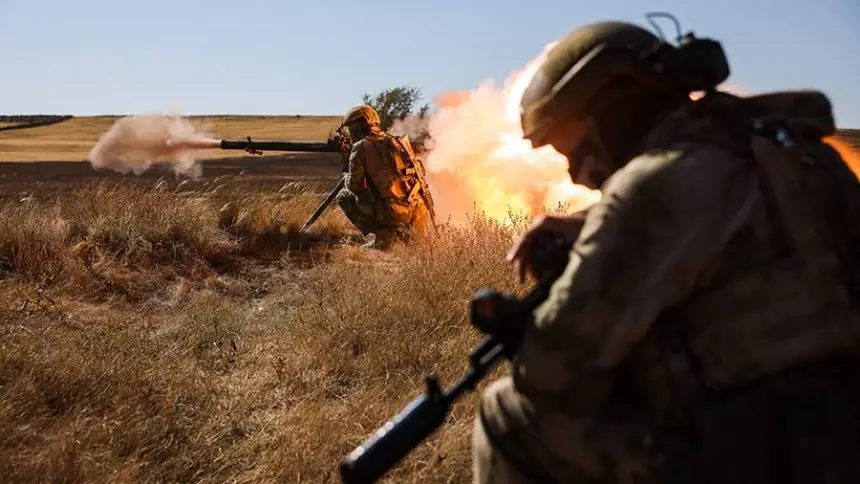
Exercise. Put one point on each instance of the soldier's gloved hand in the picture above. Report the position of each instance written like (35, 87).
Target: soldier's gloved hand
(524, 252)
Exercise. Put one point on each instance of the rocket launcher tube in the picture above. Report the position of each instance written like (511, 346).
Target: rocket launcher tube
(257, 147)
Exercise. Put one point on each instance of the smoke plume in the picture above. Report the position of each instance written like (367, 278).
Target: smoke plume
(412, 126)
(479, 160)
(136, 143)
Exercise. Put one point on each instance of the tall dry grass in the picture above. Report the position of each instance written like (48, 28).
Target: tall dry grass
(163, 336)
(126, 241)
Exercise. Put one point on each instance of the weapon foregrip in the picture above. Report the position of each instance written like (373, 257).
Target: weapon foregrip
(394, 440)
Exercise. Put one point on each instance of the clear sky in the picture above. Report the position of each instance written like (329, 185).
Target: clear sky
(319, 56)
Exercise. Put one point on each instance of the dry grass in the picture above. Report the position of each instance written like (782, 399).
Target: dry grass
(161, 336)
(72, 140)
(173, 335)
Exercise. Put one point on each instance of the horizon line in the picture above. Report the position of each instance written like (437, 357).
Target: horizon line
(838, 128)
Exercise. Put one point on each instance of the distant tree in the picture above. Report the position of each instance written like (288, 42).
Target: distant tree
(396, 103)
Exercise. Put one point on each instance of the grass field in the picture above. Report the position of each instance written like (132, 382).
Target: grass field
(159, 331)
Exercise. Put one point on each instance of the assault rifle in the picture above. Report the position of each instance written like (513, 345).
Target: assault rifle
(500, 316)
(338, 142)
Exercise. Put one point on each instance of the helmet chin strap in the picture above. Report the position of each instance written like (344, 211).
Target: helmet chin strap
(599, 148)
(602, 163)
(614, 130)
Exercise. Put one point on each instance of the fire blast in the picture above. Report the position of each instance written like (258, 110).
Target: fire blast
(479, 160)
(851, 157)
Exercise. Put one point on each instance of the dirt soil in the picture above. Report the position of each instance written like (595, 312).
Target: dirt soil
(270, 173)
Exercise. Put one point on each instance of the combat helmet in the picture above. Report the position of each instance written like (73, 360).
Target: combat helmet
(364, 114)
(599, 89)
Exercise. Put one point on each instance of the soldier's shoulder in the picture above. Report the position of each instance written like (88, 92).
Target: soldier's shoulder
(358, 145)
(383, 140)
(386, 137)
(680, 170)
(683, 158)
(372, 138)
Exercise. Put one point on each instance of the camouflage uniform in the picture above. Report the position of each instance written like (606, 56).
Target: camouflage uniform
(382, 193)
(702, 328)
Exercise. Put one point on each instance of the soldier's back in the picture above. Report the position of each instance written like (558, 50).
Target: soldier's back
(763, 374)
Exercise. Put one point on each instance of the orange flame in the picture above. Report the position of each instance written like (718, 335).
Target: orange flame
(849, 154)
(478, 158)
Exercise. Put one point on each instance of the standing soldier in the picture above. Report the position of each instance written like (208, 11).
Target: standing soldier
(385, 192)
(706, 328)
